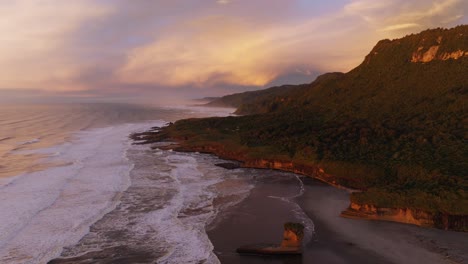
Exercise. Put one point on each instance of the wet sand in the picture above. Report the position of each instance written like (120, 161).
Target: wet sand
(260, 219)
(395, 242)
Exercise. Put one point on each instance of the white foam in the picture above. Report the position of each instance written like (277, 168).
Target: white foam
(4, 138)
(42, 212)
(185, 234)
(169, 205)
(309, 227)
(28, 142)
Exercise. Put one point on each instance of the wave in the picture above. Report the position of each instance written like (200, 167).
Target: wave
(309, 228)
(46, 213)
(4, 138)
(172, 200)
(29, 142)
(54, 208)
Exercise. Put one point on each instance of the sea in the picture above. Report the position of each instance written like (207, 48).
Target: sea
(74, 188)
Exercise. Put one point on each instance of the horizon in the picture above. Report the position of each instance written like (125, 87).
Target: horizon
(166, 51)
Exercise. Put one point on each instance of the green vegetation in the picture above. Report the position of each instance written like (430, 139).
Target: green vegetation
(237, 100)
(393, 128)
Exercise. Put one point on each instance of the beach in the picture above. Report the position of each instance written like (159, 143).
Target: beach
(111, 201)
(260, 219)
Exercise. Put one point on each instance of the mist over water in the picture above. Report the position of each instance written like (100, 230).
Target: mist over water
(31, 127)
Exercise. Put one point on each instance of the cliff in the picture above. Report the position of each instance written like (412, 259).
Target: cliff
(397, 76)
(407, 216)
(403, 215)
(356, 210)
(288, 165)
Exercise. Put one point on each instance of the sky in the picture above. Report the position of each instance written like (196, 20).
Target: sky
(155, 51)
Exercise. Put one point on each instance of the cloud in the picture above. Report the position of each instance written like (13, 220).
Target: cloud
(31, 41)
(407, 16)
(205, 51)
(101, 47)
(216, 50)
(223, 2)
(400, 27)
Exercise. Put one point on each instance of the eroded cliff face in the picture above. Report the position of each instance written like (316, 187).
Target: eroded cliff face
(407, 216)
(290, 239)
(429, 54)
(402, 215)
(427, 46)
(308, 170)
(355, 210)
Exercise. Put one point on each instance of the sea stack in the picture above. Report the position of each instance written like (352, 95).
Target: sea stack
(291, 244)
(292, 236)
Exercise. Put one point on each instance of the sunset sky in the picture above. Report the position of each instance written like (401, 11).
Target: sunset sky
(155, 50)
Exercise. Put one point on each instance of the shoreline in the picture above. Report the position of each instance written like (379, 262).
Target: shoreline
(259, 219)
(395, 242)
(354, 210)
(337, 238)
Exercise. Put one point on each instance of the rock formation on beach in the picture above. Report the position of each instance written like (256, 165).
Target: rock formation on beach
(293, 235)
(290, 245)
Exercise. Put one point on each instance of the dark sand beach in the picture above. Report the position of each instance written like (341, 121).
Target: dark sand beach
(260, 219)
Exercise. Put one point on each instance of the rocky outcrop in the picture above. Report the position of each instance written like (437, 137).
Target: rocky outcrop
(355, 210)
(407, 216)
(308, 170)
(292, 235)
(291, 244)
(427, 55)
(314, 171)
(440, 49)
(427, 46)
(415, 217)
(453, 55)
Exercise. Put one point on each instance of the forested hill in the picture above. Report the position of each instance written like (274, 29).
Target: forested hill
(395, 126)
(420, 72)
(238, 99)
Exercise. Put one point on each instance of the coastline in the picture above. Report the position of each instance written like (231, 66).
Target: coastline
(337, 239)
(259, 219)
(395, 242)
(353, 210)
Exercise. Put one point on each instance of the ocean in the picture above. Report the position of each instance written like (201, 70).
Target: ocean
(74, 189)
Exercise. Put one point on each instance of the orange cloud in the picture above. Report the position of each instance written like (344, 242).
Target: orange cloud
(221, 49)
(224, 50)
(393, 16)
(87, 44)
(32, 53)
(204, 51)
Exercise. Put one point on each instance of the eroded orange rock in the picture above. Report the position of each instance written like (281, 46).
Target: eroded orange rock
(291, 244)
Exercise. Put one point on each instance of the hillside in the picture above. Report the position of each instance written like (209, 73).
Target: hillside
(397, 74)
(239, 99)
(394, 127)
